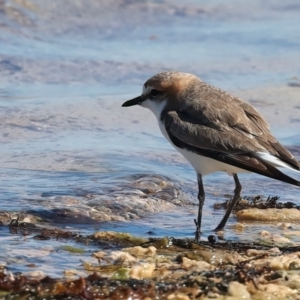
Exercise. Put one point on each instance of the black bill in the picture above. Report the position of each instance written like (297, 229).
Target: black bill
(134, 101)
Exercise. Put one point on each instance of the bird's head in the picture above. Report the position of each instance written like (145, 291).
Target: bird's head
(163, 89)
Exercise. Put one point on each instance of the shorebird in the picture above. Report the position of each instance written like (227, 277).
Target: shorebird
(215, 131)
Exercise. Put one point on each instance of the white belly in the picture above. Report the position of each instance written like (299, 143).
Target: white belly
(205, 165)
(202, 165)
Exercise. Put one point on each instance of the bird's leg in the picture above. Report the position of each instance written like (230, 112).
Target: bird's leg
(201, 198)
(236, 197)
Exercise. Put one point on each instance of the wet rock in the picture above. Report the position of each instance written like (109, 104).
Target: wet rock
(284, 225)
(166, 195)
(276, 275)
(216, 257)
(161, 181)
(134, 192)
(274, 290)
(189, 264)
(238, 226)
(35, 274)
(283, 262)
(140, 196)
(292, 232)
(148, 186)
(269, 215)
(100, 255)
(274, 238)
(118, 237)
(142, 271)
(129, 216)
(104, 216)
(121, 256)
(238, 290)
(294, 265)
(63, 215)
(292, 280)
(255, 252)
(162, 243)
(3, 265)
(20, 218)
(178, 296)
(73, 273)
(140, 251)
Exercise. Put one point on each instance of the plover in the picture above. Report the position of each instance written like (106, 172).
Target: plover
(215, 131)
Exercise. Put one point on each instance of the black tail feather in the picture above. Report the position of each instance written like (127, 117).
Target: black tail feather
(277, 174)
(269, 170)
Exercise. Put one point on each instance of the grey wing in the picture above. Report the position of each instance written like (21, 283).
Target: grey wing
(226, 123)
(267, 140)
(220, 145)
(212, 135)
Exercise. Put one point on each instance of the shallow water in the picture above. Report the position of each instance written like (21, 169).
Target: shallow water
(68, 149)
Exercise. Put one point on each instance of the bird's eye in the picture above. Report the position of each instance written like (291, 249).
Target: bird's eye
(155, 92)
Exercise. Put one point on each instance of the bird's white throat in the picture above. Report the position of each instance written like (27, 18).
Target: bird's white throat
(155, 107)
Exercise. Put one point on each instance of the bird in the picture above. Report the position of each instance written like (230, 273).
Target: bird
(215, 131)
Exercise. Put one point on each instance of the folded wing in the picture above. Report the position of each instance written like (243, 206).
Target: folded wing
(230, 131)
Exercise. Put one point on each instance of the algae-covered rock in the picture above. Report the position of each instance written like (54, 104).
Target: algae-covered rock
(121, 274)
(119, 238)
(72, 249)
